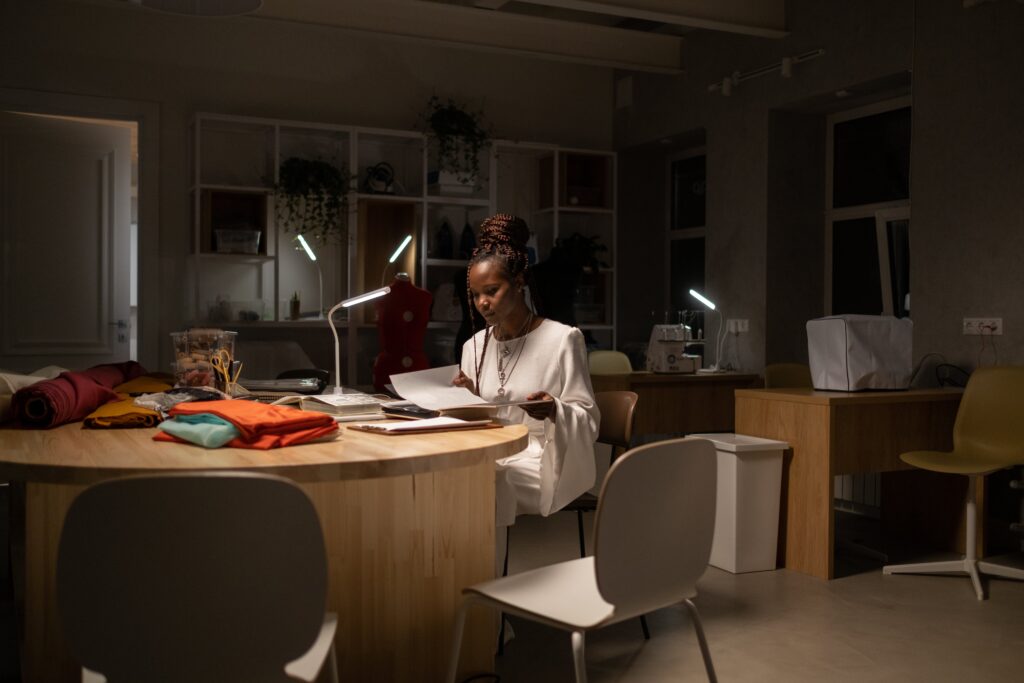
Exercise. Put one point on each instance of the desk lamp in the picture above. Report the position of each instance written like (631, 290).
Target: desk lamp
(717, 366)
(347, 303)
(319, 273)
(394, 257)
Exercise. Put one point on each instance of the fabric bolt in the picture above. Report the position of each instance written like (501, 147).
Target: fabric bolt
(204, 429)
(146, 384)
(72, 395)
(260, 426)
(558, 463)
(11, 382)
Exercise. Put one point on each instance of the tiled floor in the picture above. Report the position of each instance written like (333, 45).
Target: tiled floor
(783, 626)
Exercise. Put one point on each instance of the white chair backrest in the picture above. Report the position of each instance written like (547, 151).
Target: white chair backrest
(191, 577)
(609, 363)
(655, 523)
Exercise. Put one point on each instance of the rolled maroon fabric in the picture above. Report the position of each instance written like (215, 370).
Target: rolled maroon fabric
(72, 395)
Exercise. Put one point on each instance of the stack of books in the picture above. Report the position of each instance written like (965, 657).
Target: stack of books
(342, 407)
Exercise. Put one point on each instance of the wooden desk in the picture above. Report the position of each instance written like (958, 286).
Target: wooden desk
(671, 404)
(408, 522)
(832, 433)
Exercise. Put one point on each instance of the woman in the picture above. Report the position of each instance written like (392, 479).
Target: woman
(520, 356)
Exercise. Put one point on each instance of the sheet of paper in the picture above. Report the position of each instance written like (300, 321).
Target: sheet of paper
(433, 388)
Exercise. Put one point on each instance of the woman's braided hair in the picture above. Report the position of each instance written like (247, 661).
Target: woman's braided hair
(502, 238)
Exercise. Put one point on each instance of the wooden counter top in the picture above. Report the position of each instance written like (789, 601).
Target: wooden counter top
(829, 398)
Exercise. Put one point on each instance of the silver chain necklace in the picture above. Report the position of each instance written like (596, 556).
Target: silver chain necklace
(506, 351)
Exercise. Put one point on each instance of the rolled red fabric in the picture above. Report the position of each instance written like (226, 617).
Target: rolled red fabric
(72, 395)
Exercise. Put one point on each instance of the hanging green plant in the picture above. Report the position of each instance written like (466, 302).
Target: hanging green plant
(311, 198)
(459, 137)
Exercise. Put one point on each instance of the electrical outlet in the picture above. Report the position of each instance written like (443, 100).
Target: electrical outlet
(737, 325)
(983, 326)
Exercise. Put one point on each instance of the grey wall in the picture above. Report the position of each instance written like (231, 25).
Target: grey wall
(252, 67)
(967, 179)
(750, 270)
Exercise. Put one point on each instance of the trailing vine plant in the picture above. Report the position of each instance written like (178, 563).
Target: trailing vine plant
(311, 199)
(459, 136)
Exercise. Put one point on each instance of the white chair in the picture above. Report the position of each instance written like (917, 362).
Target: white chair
(195, 577)
(652, 540)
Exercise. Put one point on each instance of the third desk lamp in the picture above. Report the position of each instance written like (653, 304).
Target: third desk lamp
(347, 303)
(717, 366)
(319, 272)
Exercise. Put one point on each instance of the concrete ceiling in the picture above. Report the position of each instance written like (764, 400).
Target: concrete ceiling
(638, 35)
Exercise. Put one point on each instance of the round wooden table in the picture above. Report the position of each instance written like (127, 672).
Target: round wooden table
(408, 521)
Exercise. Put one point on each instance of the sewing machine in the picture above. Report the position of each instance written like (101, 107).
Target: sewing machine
(666, 350)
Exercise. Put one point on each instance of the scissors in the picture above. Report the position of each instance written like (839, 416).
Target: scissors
(222, 365)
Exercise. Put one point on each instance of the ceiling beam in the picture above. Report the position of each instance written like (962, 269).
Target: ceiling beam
(472, 28)
(764, 18)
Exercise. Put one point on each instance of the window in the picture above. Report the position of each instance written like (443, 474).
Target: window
(867, 228)
(686, 235)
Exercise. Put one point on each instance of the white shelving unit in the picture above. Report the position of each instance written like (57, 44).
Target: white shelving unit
(236, 161)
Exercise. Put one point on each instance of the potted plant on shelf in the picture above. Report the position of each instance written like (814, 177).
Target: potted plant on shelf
(311, 198)
(458, 136)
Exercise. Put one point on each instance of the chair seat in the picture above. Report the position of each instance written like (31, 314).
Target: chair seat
(564, 595)
(308, 666)
(952, 462)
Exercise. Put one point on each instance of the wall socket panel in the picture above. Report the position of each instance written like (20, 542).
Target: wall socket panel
(737, 325)
(983, 326)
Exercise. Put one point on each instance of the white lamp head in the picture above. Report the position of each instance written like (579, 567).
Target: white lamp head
(305, 245)
(365, 297)
(400, 249)
(703, 299)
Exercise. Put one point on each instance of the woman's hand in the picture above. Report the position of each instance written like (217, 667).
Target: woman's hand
(541, 411)
(462, 381)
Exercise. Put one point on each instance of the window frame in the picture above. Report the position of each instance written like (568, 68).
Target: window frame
(880, 212)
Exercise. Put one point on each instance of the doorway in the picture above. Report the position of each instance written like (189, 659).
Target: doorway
(69, 231)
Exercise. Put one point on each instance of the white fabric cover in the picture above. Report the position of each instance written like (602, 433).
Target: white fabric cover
(860, 352)
(558, 465)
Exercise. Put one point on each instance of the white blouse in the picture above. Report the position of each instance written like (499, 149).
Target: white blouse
(558, 464)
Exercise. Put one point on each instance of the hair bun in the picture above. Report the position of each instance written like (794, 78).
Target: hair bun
(504, 228)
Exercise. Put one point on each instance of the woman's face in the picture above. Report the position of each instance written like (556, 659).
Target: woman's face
(491, 291)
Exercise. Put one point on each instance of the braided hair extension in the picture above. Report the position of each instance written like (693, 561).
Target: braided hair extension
(503, 239)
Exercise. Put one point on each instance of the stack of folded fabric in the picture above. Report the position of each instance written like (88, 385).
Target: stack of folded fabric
(72, 395)
(244, 424)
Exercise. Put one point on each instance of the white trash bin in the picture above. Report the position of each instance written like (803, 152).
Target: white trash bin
(747, 504)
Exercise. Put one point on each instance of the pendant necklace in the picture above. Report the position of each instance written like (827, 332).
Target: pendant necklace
(506, 351)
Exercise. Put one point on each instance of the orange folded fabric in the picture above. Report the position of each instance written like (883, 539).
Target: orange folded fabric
(261, 426)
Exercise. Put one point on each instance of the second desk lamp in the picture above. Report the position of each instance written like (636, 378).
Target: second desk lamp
(717, 366)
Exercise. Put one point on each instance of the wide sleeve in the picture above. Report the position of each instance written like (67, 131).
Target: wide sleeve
(567, 461)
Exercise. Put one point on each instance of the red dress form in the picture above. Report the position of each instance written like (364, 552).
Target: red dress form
(402, 318)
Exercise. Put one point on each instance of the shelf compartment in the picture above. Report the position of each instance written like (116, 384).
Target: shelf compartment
(236, 211)
(236, 153)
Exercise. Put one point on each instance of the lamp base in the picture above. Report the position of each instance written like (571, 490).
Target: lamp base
(710, 371)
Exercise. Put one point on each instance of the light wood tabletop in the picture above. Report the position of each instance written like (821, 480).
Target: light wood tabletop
(408, 522)
(72, 455)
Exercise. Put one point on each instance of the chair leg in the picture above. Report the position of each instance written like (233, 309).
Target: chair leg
(643, 625)
(579, 657)
(460, 624)
(501, 615)
(968, 565)
(709, 666)
(333, 664)
(583, 540)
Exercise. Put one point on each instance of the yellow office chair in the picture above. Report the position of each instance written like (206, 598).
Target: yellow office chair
(609, 363)
(786, 375)
(988, 436)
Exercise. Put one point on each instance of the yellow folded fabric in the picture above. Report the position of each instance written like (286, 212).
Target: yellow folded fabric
(145, 384)
(121, 414)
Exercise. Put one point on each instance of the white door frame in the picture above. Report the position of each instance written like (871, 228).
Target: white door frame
(147, 115)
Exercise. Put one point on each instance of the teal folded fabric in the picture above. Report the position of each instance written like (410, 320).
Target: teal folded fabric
(202, 429)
